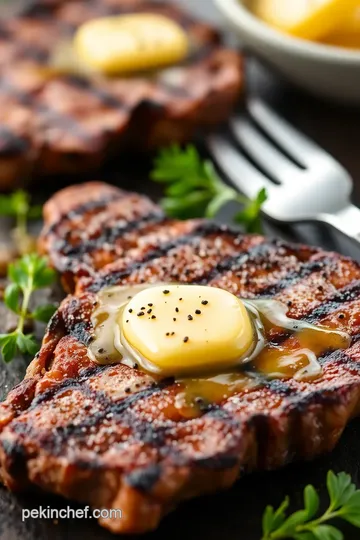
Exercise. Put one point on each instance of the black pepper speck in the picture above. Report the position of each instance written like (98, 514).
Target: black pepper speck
(204, 302)
(197, 311)
(166, 291)
(140, 314)
(186, 339)
(190, 317)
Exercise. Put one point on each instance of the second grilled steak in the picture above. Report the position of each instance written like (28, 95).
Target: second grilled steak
(110, 436)
(54, 124)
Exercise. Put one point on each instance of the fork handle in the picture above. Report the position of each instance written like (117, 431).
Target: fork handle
(347, 221)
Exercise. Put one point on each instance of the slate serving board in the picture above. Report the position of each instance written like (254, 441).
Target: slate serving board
(235, 514)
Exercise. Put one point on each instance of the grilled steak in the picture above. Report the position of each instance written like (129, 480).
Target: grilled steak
(53, 124)
(109, 435)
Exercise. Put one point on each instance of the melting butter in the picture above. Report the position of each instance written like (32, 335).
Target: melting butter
(296, 356)
(128, 43)
(301, 360)
(196, 395)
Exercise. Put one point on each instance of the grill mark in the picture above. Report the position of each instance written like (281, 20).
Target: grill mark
(339, 355)
(67, 383)
(37, 9)
(234, 262)
(81, 332)
(62, 120)
(142, 430)
(324, 396)
(23, 49)
(106, 98)
(16, 457)
(296, 275)
(201, 231)
(80, 384)
(110, 234)
(12, 144)
(279, 386)
(56, 438)
(347, 294)
(84, 208)
(144, 479)
(221, 461)
(42, 12)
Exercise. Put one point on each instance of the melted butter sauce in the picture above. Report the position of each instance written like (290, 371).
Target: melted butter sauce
(296, 356)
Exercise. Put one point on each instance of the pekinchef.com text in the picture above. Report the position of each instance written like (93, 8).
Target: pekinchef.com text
(46, 512)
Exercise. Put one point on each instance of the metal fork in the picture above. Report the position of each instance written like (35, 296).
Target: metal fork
(304, 183)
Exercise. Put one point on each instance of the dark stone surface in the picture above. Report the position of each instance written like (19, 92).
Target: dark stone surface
(235, 514)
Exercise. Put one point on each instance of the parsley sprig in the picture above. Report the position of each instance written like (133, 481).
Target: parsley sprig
(194, 189)
(303, 525)
(18, 206)
(26, 275)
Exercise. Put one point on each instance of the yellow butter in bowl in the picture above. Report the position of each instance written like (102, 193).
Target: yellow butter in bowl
(129, 43)
(347, 33)
(307, 19)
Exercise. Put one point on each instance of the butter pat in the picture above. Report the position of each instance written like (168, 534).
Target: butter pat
(183, 329)
(308, 19)
(129, 43)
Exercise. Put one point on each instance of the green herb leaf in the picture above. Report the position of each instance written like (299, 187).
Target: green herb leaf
(14, 204)
(303, 525)
(27, 274)
(340, 488)
(327, 532)
(272, 519)
(18, 274)
(311, 501)
(193, 188)
(44, 313)
(12, 296)
(27, 344)
(250, 215)
(351, 511)
(8, 348)
(17, 205)
(306, 535)
(35, 212)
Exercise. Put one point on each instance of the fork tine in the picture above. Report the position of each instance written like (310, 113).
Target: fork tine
(295, 143)
(243, 175)
(263, 152)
